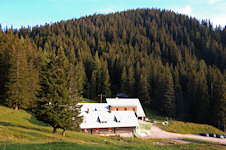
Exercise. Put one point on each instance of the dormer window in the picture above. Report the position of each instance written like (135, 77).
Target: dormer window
(117, 119)
(102, 119)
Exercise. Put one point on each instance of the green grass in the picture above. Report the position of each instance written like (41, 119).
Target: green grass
(153, 115)
(180, 126)
(189, 128)
(20, 130)
(85, 100)
(73, 146)
(200, 141)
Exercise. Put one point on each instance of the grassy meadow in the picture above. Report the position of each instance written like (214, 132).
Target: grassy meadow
(20, 130)
(180, 126)
(189, 128)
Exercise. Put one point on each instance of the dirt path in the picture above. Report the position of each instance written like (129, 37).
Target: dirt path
(156, 132)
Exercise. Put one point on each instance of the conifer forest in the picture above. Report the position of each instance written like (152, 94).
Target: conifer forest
(175, 65)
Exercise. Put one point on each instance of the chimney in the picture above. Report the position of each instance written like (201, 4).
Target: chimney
(87, 110)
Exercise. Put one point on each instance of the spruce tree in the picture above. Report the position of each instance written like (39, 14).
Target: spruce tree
(18, 90)
(58, 99)
(178, 94)
(131, 81)
(168, 99)
(105, 84)
(144, 87)
(217, 98)
(202, 98)
(92, 87)
(80, 78)
(124, 81)
(33, 83)
(33, 69)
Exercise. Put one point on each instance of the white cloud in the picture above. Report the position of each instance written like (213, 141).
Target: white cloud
(218, 20)
(105, 10)
(186, 10)
(211, 2)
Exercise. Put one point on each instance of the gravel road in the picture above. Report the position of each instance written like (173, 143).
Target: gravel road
(156, 132)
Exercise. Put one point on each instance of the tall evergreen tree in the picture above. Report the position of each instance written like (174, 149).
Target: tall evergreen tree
(33, 83)
(18, 90)
(33, 72)
(168, 99)
(202, 98)
(217, 98)
(178, 94)
(144, 87)
(92, 87)
(80, 78)
(124, 81)
(105, 85)
(58, 99)
(131, 81)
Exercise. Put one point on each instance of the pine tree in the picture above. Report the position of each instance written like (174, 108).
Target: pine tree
(4, 66)
(124, 81)
(217, 98)
(131, 81)
(93, 91)
(144, 87)
(33, 75)
(178, 94)
(105, 85)
(33, 83)
(58, 99)
(202, 98)
(80, 77)
(96, 77)
(18, 90)
(168, 99)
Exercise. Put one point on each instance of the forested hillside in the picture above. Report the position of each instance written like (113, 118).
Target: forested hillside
(173, 63)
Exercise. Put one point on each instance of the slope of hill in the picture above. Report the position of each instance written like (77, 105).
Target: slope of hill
(20, 130)
(176, 126)
(190, 128)
(173, 63)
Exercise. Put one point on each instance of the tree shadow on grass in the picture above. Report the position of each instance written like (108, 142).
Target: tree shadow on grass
(35, 121)
(25, 127)
(32, 134)
(53, 145)
(5, 123)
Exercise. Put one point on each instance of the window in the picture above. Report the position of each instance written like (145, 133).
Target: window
(117, 119)
(116, 109)
(125, 109)
(86, 130)
(134, 109)
(102, 119)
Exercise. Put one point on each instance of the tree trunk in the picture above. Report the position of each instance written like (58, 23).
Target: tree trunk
(16, 108)
(64, 131)
(54, 129)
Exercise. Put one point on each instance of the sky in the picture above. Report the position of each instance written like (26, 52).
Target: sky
(19, 13)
